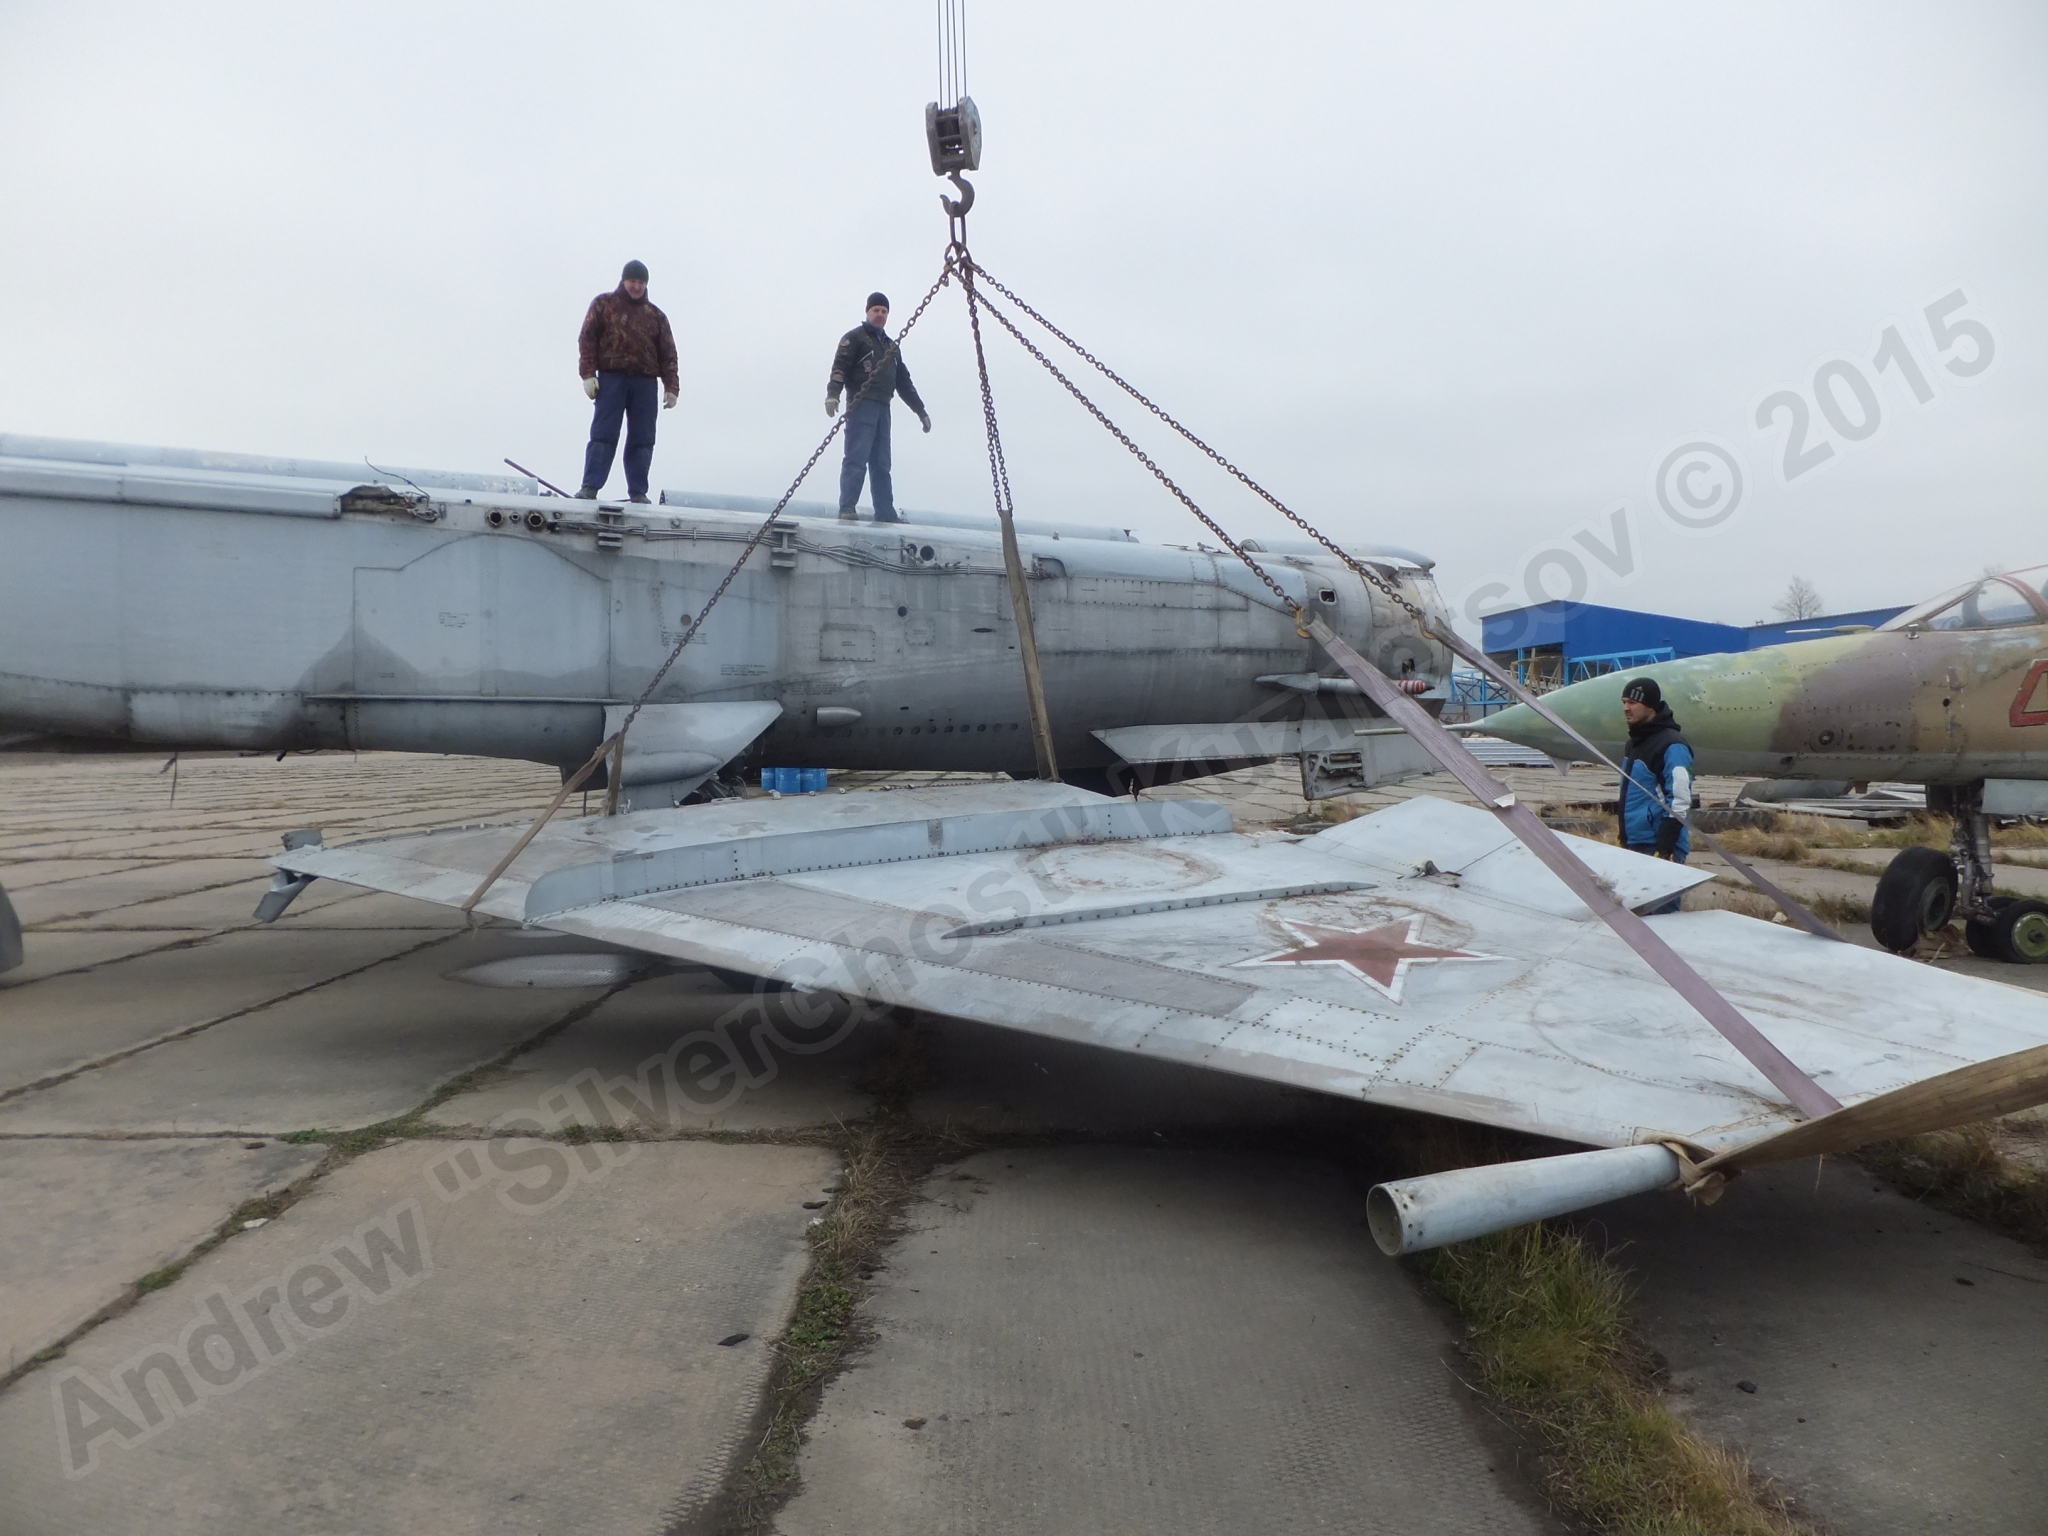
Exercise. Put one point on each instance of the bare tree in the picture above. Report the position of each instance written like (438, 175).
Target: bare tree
(1801, 600)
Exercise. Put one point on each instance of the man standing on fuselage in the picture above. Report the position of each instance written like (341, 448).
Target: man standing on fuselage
(868, 365)
(1656, 792)
(626, 345)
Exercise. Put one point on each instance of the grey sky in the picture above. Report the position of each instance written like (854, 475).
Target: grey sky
(1454, 277)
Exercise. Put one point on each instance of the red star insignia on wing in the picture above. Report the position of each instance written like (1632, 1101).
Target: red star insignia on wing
(1379, 957)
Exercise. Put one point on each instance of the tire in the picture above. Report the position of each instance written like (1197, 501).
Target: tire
(1981, 933)
(2022, 932)
(1916, 894)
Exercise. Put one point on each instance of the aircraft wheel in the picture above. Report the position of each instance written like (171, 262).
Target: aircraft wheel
(1981, 932)
(1915, 895)
(2022, 932)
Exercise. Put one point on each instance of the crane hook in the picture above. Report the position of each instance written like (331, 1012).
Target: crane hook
(957, 209)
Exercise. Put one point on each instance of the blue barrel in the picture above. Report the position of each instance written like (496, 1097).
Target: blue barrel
(814, 781)
(769, 784)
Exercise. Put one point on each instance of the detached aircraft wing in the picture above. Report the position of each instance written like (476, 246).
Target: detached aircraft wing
(1419, 957)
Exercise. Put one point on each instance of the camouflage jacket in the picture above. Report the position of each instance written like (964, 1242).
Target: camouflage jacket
(854, 365)
(623, 335)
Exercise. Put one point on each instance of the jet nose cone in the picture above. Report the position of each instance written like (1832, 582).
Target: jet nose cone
(1525, 728)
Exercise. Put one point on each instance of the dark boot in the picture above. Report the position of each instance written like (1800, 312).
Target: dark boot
(848, 515)
(639, 500)
(587, 493)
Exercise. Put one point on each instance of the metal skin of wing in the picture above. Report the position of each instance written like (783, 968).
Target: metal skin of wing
(1419, 957)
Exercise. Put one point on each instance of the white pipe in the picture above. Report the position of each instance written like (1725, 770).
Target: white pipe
(1440, 1208)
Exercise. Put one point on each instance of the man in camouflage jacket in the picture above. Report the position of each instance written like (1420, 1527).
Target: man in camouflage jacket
(870, 367)
(625, 346)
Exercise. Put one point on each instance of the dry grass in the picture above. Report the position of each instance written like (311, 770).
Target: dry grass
(1546, 1319)
(1755, 843)
(1995, 1172)
(1721, 895)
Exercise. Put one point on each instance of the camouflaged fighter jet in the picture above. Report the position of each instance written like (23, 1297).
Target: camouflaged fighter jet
(215, 601)
(1952, 694)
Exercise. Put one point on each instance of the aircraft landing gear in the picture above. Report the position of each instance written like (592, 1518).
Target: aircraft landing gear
(1922, 890)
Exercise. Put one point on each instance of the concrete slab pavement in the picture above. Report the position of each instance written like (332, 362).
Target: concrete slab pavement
(1896, 1356)
(55, 951)
(1106, 1339)
(632, 1033)
(497, 1373)
(65, 1022)
(96, 895)
(86, 1219)
(365, 1048)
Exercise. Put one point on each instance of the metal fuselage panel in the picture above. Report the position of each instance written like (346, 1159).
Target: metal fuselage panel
(192, 627)
(1921, 706)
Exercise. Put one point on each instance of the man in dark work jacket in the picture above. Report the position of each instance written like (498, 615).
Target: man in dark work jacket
(867, 365)
(625, 346)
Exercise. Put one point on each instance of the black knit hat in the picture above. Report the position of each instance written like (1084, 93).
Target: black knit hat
(1644, 691)
(634, 270)
(876, 298)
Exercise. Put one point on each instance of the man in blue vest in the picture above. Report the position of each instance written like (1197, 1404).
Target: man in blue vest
(1656, 794)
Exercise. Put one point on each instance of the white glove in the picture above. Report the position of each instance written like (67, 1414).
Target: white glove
(590, 387)
(831, 405)
(926, 420)
(668, 401)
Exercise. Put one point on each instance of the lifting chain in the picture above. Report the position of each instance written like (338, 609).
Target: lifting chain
(1791, 907)
(1364, 572)
(1119, 434)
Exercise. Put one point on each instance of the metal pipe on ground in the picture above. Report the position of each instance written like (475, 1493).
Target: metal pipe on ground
(1410, 1215)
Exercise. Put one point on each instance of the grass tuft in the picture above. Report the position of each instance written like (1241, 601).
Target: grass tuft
(1993, 1171)
(1546, 1319)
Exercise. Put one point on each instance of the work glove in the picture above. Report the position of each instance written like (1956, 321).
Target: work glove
(590, 387)
(831, 405)
(668, 401)
(1667, 837)
(926, 420)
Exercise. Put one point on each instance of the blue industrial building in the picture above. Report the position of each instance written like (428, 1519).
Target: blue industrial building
(1551, 644)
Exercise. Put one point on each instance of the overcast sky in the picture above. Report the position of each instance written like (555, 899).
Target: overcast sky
(1460, 278)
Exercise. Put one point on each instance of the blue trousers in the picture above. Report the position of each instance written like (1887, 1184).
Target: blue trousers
(637, 398)
(867, 456)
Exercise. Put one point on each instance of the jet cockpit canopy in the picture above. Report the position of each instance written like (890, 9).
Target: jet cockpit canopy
(2002, 601)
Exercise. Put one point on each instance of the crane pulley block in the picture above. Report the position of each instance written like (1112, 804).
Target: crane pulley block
(954, 135)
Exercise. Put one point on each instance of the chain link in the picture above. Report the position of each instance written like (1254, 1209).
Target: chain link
(1140, 454)
(1365, 573)
(761, 533)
